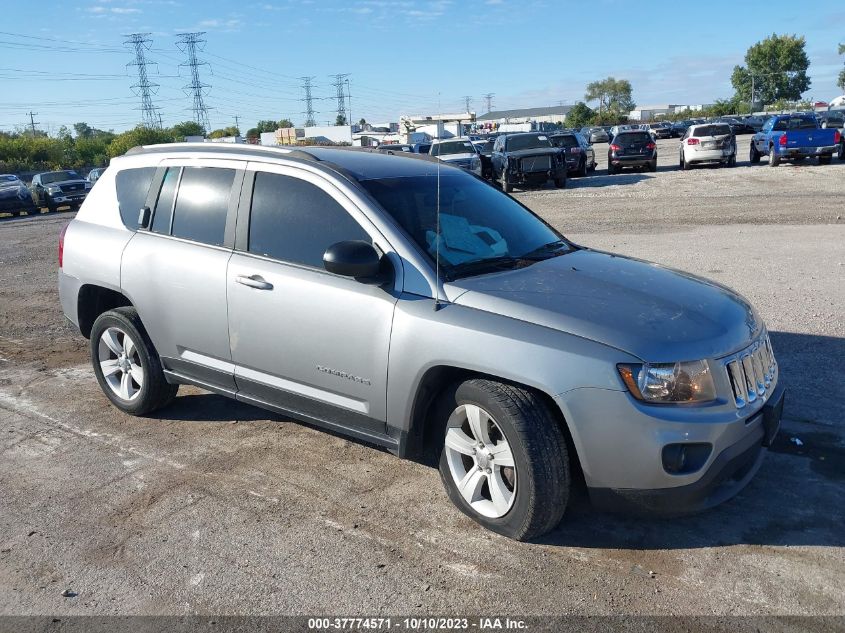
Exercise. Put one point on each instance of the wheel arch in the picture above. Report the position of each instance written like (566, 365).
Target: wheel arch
(93, 300)
(422, 444)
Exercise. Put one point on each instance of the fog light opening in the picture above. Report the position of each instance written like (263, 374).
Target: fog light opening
(682, 459)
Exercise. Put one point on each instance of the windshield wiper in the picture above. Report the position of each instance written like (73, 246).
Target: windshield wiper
(503, 262)
(552, 249)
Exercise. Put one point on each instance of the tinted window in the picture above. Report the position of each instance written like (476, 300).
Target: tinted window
(802, 123)
(295, 221)
(452, 147)
(527, 141)
(202, 204)
(633, 137)
(712, 130)
(477, 222)
(565, 141)
(164, 204)
(132, 186)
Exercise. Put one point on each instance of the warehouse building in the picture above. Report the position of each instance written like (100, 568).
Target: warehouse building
(554, 114)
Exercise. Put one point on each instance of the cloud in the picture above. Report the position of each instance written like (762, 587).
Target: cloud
(101, 10)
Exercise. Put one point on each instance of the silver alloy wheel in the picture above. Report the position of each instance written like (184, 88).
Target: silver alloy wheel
(480, 461)
(120, 363)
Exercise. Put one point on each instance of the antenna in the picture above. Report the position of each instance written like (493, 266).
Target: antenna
(437, 214)
(144, 88)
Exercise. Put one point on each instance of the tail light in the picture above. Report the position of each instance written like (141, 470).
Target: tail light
(836, 137)
(62, 244)
(650, 146)
(782, 140)
(693, 141)
(575, 150)
(614, 147)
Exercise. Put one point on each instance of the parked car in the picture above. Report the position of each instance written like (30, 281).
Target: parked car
(595, 134)
(580, 156)
(546, 362)
(708, 143)
(832, 118)
(484, 148)
(631, 148)
(621, 128)
(15, 197)
(95, 174)
(395, 148)
(738, 127)
(660, 130)
(458, 151)
(794, 137)
(527, 158)
(679, 128)
(54, 189)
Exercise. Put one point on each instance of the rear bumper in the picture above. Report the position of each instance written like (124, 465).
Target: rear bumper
(708, 156)
(632, 161)
(787, 152)
(727, 475)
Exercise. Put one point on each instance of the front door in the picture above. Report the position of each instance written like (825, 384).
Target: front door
(302, 339)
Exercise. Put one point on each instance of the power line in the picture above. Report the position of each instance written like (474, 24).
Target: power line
(308, 99)
(188, 45)
(144, 88)
(339, 82)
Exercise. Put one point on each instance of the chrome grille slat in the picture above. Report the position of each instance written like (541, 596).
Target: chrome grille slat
(751, 372)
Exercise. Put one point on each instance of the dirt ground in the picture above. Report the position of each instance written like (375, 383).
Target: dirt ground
(216, 507)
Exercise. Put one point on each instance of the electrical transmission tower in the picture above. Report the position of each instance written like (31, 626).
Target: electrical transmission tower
(144, 88)
(188, 44)
(489, 99)
(467, 102)
(339, 83)
(309, 101)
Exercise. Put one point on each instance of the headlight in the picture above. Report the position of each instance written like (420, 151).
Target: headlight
(689, 381)
(88, 185)
(54, 190)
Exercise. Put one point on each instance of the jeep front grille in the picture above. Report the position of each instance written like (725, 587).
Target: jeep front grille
(752, 371)
(536, 163)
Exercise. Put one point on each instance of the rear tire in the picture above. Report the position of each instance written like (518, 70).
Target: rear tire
(774, 159)
(652, 166)
(840, 154)
(582, 168)
(754, 155)
(127, 364)
(825, 160)
(560, 183)
(522, 490)
(506, 186)
(732, 160)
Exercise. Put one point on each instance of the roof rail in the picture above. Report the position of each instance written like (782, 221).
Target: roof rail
(234, 148)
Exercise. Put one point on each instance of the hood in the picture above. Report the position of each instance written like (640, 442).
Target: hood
(652, 312)
(63, 183)
(537, 151)
(12, 185)
(452, 158)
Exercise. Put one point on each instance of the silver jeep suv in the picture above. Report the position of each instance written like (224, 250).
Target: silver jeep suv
(415, 307)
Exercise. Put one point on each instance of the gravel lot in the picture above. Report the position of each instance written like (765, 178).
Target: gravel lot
(216, 507)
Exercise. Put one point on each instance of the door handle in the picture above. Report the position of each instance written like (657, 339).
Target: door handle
(255, 281)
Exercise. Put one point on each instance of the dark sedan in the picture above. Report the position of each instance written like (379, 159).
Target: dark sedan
(580, 156)
(527, 159)
(631, 148)
(15, 198)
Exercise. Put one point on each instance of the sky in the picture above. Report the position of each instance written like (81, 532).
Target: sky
(402, 56)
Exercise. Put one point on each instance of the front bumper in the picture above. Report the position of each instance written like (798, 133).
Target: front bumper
(73, 197)
(619, 442)
(16, 203)
(517, 177)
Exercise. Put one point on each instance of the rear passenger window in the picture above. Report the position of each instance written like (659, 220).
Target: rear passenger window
(132, 186)
(295, 221)
(164, 204)
(202, 204)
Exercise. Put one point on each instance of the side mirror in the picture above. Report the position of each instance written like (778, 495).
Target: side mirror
(144, 218)
(354, 258)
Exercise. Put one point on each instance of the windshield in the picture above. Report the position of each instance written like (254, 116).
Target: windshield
(481, 228)
(452, 147)
(527, 141)
(712, 130)
(58, 176)
(8, 178)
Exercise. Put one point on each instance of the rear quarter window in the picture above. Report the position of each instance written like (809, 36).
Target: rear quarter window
(132, 187)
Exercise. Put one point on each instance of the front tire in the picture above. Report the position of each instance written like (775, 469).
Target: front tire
(504, 461)
(127, 365)
(506, 186)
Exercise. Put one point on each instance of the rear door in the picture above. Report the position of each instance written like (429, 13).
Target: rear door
(175, 271)
(302, 339)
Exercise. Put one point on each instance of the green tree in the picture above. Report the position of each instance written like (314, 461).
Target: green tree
(266, 126)
(186, 128)
(83, 130)
(140, 135)
(362, 123)
(579, 116)
(777, 68)
(226, 131)
(841, 81)
(340, 120)
(284, 123)
(614, 96)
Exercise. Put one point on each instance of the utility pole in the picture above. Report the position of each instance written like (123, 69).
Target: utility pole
(309, 101)
(144, 88)
(238, 124)
(188, 44)
(32, 121)
(467, 102)
(339, 82)
(489, 99)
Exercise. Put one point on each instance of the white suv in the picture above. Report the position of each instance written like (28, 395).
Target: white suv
(708, 143)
